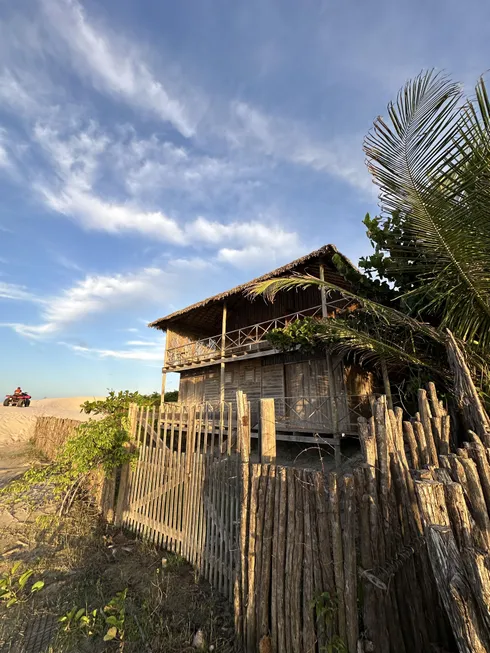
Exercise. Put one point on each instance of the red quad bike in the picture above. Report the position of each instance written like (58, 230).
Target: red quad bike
(17, 400)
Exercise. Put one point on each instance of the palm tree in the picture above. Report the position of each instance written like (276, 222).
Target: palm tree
(431, 162)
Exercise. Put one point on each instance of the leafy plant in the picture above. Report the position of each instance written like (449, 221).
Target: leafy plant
(89, 623)
(115, 614)
(97, 444)
(117, 404)
(81, 619)
(326, 607)
(13, 586)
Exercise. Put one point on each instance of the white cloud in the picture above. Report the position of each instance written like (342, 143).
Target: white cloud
(289, 141)
(16, 292)
(114, 65)
(92, 295)
(5, 161)
(154, 354)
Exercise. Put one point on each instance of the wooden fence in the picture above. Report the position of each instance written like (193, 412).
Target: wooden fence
(51, 432)
(391, 558)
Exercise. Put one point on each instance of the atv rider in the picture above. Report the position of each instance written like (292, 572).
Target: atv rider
(18, 391)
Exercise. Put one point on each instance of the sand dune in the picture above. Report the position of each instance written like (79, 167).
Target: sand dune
(17, 424)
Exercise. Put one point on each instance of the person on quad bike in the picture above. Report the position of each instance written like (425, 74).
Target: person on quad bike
(18, 391)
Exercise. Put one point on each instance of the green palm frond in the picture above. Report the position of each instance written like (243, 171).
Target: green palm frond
(432, 165)
(386, 314)
(370, 347)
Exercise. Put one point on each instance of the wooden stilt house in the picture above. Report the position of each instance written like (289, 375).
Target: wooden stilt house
(219, 346)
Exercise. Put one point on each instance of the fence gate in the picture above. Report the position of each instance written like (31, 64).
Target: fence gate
(184, 492)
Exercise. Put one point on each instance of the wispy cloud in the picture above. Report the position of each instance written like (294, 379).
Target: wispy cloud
(94, 294)
(153, 353)
(114, 65)
(290, 141)
(17, 292)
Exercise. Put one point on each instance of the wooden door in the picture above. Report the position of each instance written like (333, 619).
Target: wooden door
(307, 395)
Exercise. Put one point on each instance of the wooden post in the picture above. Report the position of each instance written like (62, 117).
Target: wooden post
(243, 425)
(466, 619)
(223, 351)
(331, 377)
(164, 374)
(267, 431)
(386, 383)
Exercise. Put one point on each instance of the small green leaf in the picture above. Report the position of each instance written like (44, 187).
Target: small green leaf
(25, 577)
(110, 634)
(37, 586)
(112, 621)
(15, 566)
(12, 601)
(79, 614)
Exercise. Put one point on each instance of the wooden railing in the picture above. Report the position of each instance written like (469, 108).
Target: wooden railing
(242, 341)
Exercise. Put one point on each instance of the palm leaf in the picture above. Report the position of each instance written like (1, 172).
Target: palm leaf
(368, 347)
(386, 314)
(432, 165)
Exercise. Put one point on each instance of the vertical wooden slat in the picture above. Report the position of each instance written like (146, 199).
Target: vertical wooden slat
(297, 575)
(309, 638)
(264, 625)
(245, 477)
(276, 571)
(261, 501)
(290, 560)
(251, 640)
(140, 528)
(169, 496)
(189, 479)
(162, 476)
(222, 531)
(338, 558)
(154, 474)
(136, 486)
(267, 431)
(350, 565)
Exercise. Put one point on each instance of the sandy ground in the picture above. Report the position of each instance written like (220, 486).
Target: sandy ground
(17, 424)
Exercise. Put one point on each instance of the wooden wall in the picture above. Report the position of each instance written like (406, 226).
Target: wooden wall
(297, 382)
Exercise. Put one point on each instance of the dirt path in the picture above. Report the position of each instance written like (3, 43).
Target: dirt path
(14, 460)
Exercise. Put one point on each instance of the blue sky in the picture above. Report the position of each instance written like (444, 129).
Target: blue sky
(154, 153)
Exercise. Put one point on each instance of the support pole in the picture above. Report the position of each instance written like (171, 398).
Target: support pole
(223, 352)
(386, 383)
(331, 378)
(164, 374)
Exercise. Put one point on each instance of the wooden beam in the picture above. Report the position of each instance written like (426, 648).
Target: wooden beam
(223, 348)
(267, 431)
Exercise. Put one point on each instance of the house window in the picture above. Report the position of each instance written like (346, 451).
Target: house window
(228, 377)
(250, 375)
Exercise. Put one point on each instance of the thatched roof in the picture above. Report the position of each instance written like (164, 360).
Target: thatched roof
(308, 263)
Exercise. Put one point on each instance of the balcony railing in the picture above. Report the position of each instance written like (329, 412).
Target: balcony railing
(240, 342)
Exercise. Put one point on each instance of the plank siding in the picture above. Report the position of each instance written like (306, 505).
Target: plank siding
(297, 382)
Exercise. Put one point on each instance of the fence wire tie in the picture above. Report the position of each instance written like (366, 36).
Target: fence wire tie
(390, 568)
(373, 579)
